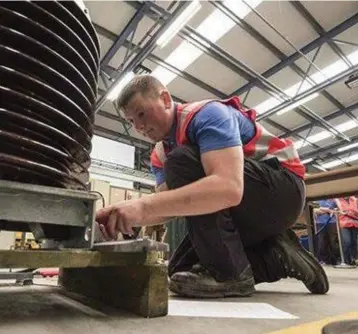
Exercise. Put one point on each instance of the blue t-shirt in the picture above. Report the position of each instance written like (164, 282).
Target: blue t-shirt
(326, 218)
(216, 126)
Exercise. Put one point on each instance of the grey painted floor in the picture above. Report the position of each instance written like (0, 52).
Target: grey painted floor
(40, 309)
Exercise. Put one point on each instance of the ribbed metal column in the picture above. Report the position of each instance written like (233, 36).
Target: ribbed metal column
(49, 66)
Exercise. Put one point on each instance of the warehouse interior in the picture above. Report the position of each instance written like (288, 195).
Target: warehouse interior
(69, 151)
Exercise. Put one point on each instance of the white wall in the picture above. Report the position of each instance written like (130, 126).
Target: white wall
(7, 239)
(114, 152)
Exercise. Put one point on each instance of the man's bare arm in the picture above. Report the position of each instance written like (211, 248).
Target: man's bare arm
(158, 220)
(221, 188)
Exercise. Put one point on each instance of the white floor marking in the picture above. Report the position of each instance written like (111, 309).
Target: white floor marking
(189, 308)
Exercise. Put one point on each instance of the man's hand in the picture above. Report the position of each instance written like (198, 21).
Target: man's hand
(323, 210)
(120, 217)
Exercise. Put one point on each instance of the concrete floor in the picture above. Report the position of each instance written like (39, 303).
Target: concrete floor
(40, 309)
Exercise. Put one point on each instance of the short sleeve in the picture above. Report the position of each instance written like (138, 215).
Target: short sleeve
(215, 127)
(332, 204)
(159, 175)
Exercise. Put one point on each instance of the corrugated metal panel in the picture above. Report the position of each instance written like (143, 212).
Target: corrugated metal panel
(176, 232)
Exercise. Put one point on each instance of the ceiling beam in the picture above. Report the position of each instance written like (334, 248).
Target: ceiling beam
(125, 33)
(334, 32)
(146, 50)
(338, 77)
(329, 117)
(272, 48)
(319, 30)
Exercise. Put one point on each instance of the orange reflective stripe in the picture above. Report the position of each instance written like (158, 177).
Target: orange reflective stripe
(158, 157)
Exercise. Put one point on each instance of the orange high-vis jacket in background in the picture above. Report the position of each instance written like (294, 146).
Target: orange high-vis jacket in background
(351, 208)
(262, 146)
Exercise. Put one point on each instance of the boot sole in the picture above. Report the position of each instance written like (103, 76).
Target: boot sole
(187, 290)
(312, 262)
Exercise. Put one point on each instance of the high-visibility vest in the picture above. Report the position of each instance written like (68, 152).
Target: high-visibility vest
(262, 146)
(351, 207)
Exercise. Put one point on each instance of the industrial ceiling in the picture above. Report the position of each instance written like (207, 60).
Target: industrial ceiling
(289, 60)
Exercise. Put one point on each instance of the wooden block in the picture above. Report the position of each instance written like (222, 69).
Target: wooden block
(141, 289)
(72, 258)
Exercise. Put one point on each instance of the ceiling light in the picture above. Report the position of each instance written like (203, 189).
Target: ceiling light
(349, 125)
(339, 162)
(319, 167)
(347, 147)
(179, 23)
(298, 103)
(306, 161)
(215, 26)
(318, 77)
(352, 81)
(117, 87)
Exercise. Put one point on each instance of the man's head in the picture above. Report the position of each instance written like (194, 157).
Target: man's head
(146, 103)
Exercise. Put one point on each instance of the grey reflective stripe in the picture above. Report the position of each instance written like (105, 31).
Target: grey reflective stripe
(286, 154)
(159, 150)
(262, 146)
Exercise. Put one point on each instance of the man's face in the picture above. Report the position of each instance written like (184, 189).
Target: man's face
(151, 116)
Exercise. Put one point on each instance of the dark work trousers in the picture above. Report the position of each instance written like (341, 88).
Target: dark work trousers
(349, 243)
(327, 243)
(227, 241)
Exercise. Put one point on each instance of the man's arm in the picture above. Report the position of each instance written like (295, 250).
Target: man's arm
(221, 188)
(323, 210)
(158, 220)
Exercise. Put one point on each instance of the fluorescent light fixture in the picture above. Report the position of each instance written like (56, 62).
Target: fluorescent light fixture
(339, 162)
(298, 103)
(349, 125)
(306, 161)
(347, 147)
(352, 81)
(179, 23)
(353, 57)
(114, 176)
(120, 85)
(318, 77)
(216, 25)
(319, 167)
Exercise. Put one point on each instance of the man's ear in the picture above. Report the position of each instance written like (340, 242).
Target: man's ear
(166, 98)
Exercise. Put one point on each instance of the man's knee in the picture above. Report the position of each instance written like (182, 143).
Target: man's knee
(183, 166)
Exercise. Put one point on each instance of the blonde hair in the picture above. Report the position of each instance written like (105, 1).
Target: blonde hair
(142, 84)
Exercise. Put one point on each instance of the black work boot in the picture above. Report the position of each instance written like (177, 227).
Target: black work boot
(298, 263)
(198, 283)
